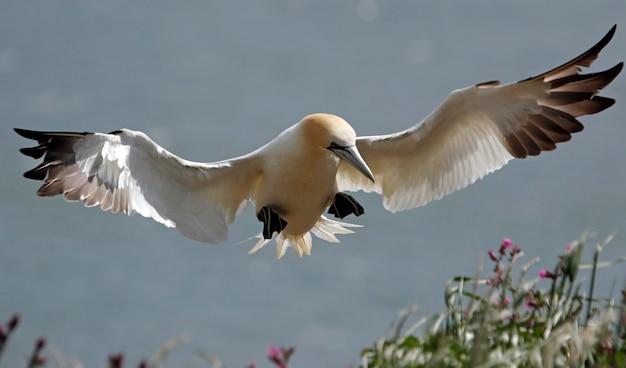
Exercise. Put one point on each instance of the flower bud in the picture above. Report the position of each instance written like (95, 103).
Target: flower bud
(40, 343)
(13, 322)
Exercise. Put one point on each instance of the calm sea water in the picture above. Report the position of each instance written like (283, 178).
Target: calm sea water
(213, 80)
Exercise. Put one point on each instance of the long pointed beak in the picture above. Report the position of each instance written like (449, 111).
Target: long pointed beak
(353, 157)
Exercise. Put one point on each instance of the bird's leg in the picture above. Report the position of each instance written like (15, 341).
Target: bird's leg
(345, 205)
(271, 222)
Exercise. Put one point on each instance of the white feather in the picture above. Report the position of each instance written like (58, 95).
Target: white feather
(159, 185)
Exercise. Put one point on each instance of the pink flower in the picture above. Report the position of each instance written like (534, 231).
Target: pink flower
(492, 255)
(506, 301)
(273, 352)
(529, 304)
(544, 274)
(506, 243)
(276, 356)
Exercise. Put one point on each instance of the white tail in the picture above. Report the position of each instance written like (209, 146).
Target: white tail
(324, 229)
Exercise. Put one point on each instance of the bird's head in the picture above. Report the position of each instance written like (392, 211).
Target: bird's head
(335, 134)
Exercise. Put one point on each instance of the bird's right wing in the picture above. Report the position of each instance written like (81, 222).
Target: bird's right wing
(125, 171)
(477, 130)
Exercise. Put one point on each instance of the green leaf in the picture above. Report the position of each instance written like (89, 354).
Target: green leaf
(410, 342)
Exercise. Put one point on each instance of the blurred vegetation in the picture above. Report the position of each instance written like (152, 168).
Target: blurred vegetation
(507, 320)
(502, 320)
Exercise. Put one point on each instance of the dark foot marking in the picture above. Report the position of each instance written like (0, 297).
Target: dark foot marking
(271, 222)
(345, 205)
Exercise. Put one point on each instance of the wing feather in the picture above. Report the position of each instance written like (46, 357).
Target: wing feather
(125, 171)
(477, 130)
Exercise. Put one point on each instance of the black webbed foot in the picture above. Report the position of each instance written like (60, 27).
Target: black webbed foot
(271, 222)
(345, 205)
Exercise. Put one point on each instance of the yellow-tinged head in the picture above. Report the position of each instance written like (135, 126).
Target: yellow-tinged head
(335, 134)
(323, 129)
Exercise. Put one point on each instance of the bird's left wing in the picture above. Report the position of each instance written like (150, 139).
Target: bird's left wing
(477, 130)
(125, 171)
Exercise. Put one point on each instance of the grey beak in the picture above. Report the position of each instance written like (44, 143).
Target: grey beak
(353, 157)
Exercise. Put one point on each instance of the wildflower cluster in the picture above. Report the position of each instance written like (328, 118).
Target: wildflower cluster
(509, 320)
(507, 253)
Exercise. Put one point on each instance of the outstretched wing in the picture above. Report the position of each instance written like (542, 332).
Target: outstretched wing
(477, 130)
(125, 171)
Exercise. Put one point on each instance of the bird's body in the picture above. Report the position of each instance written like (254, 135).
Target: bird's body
(304, 171)
(316, 184)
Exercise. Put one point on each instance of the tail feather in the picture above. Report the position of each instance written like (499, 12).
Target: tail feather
(324, 229)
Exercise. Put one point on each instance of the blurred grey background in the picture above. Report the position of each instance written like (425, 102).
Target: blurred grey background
(212, 80)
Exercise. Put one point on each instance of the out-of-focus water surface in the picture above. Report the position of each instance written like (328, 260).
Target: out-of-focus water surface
(213, 80)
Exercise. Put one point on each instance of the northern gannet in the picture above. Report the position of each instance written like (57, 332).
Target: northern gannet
(304, 172)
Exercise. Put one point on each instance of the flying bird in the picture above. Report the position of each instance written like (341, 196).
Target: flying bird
(305, 171)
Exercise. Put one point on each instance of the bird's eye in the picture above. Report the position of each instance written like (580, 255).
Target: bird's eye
(334, 145)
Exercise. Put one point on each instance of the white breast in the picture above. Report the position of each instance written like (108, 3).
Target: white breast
(298, 181)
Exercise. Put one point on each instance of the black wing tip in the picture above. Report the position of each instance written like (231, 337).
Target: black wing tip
(34, 152)
(38, 173)
(603, 42)
(593, 51)
(606, 102)
(611, 31)
(30, 134)
(38, 134)
(614, 71)
(34, 175)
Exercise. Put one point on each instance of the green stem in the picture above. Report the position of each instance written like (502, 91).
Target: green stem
(592, 284)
